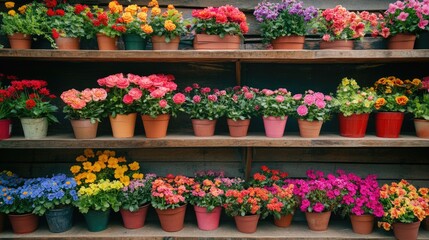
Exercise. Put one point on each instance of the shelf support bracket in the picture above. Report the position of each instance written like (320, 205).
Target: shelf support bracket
(248, 159)
(238, 72)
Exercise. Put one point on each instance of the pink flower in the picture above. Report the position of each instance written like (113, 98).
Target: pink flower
(319, 96)
(385, 32)
(279, 98)
(86, 95)
(196, 99)
(423, 24)
(163, 103)
(99, 94)
(328, 98)
(128, 99)
(188, 89)
(205, 90)
(309, 99)
(297, 97)
(158, 93)
(318, 207)
(134, 78)
(320, 104)
(282, 90)
(179, 98)
(78, 104)
(196, 85)
(122, 83)
(304, 205)
(249, 95)
(402, 16)
(267, 92)
(212, 98)
(392, 8)
(111, 81)
(326, 37)
(302, 110)
(145, 83)
(101, 82)
(135, 93)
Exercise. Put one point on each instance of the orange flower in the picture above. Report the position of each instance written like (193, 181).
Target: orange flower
(156, 11)
(379, 103)
(132, 9)
(169, 25)
(170, 7)
(127, 17)
(115, 7)
(142, 16)
(401, 100)
(153, 3)
(81, 158)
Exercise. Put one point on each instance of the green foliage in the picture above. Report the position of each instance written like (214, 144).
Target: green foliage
(351, 99)
(419, 106)
(169, 24)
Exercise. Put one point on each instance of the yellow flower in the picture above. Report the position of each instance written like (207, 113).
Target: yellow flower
(75, 169)
(9, 4)
(87, 166)
(147, 29)
(81, 158)
(138, 176)
(88, 153)
(153, 3)
(96, 167)
(169, 25)
(142, 16)
(90, 178)
(134, 166)
(379, 103)
(101, 164)
(22, 9)
(127, 17)
(11, 12)
(132, 9)
(416, 82)
(103, 158)
(109, 153)
(125, 180)
(112, 163)
(155, 11)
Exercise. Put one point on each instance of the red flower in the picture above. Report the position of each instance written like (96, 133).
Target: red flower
(30, 104)
(78, 8)
(50, 12)
(59, 12)
(51, 3)
(55, 34)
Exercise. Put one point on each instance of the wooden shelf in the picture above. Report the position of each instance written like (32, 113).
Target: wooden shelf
(176, 140)
(282, 56)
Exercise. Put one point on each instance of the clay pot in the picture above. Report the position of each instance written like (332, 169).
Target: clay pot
(158, 43)
(401, 41)
(246, 224)
(337, 45)
(406, 231)
(289, 42)
(422, 128)
(19, 41)
(238, 128)
(214, 42)
(283, 221)
(362, 224)
(106, 43)
(134, 220)
(68, 43)
(84, 129)
(309, 129)
(203, 127)
(318, 221)
(172, 220)
(156, 127)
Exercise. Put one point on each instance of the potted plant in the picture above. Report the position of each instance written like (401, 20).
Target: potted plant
(361, 201)
(5, 108)
(240, 106)
(218, 27)
(135, 20)
(275, 106)
(311, 110)
(267, 177)
(169, 198)
(391, 103)
(404, 209)
(8, 180)
(403, 20)
(354, 106)
(158, 102)
(204, 108)
(32, 104)
(282, 204)
(55, 200)
(419, 107)
(135, 199)
(284, 24)
(84, 109)
(246, 206)
(167, 27)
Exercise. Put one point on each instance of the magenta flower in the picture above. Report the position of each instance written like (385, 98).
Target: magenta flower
(319, 207)
(302, 110)
(196, 99)
(402, 16)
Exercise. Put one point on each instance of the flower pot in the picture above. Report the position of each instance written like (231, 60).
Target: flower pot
(106, 43)
(172, 220)
(156, 127)
(283, 221)
(123, 125)
(19, 41)
(289, 42)
(158, 43)
(362, 224)
(134, 42)
(406, 231)
(24, 223)
(246, 224)
(35, 128)
(84, 129)
(238, 128)
(207, 220)
(5, 128)
(134, 220)
(353, 126)
(97, 220)
(401, 41)
(318, 221)
(337, 45)
(59, 220)
(274, 126)
(309, 129)
(203, 127)
(214, 42)
(422, 128)
(388, 124)
(68, 43)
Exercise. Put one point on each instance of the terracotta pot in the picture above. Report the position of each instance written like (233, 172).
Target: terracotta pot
(422, 128)
(106, 43)
(84, 129)
(19, 41)
(309, 129)
(274, 126)
(123, 125)
(35, 128)
(24, 223)
(134, 220)
(318, 221)
(289, 42)
(172, 220)
(156, 127)
(353, 126)
(68, 43)
(406, 231)
(362, 224)
(204, 127)
(214, 42)
(5, 128)
(238, 128)
(207, 221)
(337, 45)
(426, 223)
(388, 124)
(401, 41)
(246, 224)
(283, 221)
(158, 43)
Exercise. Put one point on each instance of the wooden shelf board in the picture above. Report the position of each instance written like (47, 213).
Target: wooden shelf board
(180, 140)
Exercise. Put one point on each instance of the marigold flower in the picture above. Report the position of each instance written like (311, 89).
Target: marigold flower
(9, 4)
(142, 16)
(11, 12)
(379, 103)
(155, 11)
(132, 9)
(146, 28)
(134, 166)
(401, 100)
(81, 158)
(75, 169)
(127, 17)
(90, 178)
(22, 9)
(153, 3)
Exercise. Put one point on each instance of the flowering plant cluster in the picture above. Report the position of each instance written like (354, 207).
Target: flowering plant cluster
(86, 104)
(137, 193)
(267, 177)
(240, 102)
(277, 103)
(135, 20)
(282, 201)
(171, 191)
(419, 106)
(5, 96)
(393, 93)
(313, 106)
(66, 20)
(227, 183)
(20, 200)
(286, 18)
(203, 102)
(223, 20)
(103, 195)
(248, 201)
(10, 179)
(104, 165)
(402, 203)
(107, 21)
(351, 99)
(207, 193)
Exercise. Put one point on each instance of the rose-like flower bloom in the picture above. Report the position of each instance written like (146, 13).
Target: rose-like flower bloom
(142, 16)
(133, 8)
(155, 11)
(249, 95)
(128, 99)
(169, 25)
(205, 90)
(320, 104)
(326, 37)
(212, 98)
(135, 93)
(127, 17)
(280, 98)
(302, 110)
(99, 94)
(9, 4)
(309, 99)
(30, 104)
(158, 93)
(297, 97)
(196, 99)
(179, 98)
(188, 89)
(122, 83)
(163, 103)
(146, 28)
(401, 100)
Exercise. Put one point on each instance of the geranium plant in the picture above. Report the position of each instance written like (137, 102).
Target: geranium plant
(286, 18)
(86, 104)
(207, 193)
(66, 20)
(5, 98)
(393, 93)
(137, 193)
(135, 19)
(267, 177)
(171, 191)
(282, 201)
(227, 183)
(107, 21)
(250, 201)
(351, 99)
(223, 20)
(402, 203)
(169, 23)
(313, 106)
(240, 102)
(277, 103)
(203, 102)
